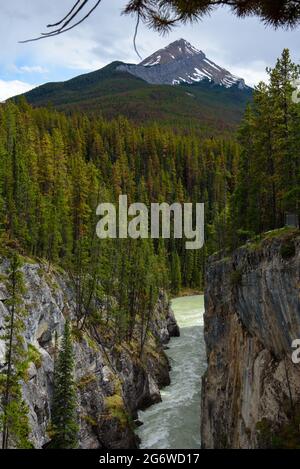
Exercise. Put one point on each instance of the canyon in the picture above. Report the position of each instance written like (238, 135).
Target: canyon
(250, 390)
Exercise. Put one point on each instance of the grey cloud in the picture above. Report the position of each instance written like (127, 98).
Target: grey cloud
(244, 45)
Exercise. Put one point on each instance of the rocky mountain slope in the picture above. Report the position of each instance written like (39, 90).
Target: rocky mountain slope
(208, 97)
(251, 391)
(112, 382)
(180, 62)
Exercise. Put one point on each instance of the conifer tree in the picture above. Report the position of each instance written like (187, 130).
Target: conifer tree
(268, 182)
(13, 419)
(162, 15)
(175, 273)
(64, 417)
(55, 170)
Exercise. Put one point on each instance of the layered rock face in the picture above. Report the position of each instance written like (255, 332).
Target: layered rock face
(252, 388)
(112, 382)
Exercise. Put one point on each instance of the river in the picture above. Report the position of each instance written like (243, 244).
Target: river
(174, 423)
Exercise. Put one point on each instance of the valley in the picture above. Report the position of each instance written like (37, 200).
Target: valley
(90, 346)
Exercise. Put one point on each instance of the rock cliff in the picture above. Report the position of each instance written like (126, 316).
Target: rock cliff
(112, 382)
(251, 391)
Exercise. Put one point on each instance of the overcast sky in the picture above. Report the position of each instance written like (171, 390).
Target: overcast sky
(245, 47)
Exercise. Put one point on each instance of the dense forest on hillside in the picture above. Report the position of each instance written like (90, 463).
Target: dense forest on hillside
(268, 184)
(207, 108)
(55, 170)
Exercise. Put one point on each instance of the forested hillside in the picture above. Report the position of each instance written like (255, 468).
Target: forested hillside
(56, 169)
(54, 172)
(269, 173)
(206, 107)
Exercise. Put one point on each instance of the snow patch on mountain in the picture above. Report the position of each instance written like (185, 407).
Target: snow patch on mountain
(181, 62)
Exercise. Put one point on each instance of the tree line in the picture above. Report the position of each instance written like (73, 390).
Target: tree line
(268, 185)
(56, 169)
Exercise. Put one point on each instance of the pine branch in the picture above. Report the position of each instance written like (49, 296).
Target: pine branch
(64, 28)
(164, 14)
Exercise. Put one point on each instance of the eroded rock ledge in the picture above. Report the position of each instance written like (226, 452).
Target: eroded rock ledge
(112, 383)
(251, 390)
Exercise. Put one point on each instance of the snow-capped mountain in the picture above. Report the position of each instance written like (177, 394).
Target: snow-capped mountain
(180, 62)
(178, 50)
(210, 97)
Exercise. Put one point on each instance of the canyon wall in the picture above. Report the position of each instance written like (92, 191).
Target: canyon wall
(112, 382)
(251, 390)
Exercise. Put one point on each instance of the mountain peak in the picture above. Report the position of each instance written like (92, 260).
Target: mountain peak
(180, 62)
(177, 50)
(184, 47)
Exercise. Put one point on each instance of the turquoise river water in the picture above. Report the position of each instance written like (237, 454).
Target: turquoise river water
(175, 422)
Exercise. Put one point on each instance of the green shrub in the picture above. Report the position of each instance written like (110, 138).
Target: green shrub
(286, 436)
(90, 420)
(115, 407)
(245, 235)
(264, 434)
(34, 356)
(288, 250)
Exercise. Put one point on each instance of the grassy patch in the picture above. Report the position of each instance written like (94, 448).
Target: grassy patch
(285, 233)
(115, 408)
(34, 356)
(89, 420)
(77, 334)
(3, 278)
(91, 343)
(189, 292)
(280, 232)
(86, 380)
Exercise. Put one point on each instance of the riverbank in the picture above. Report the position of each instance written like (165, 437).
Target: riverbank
(188, 292)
